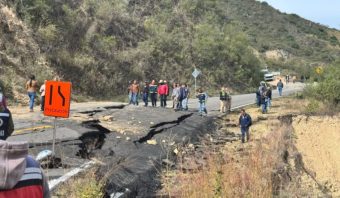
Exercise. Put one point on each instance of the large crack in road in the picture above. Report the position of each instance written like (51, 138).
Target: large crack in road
(160, 127)
(131, 168)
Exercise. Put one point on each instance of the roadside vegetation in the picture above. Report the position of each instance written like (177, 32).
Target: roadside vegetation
(86, 185)
(324, 94)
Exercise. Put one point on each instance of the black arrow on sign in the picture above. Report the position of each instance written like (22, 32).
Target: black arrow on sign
(61, 95)
(51, 94)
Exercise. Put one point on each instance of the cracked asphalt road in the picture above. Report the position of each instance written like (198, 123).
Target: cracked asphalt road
(118, 134)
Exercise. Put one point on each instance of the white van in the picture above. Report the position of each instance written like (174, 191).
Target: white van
(268, 77)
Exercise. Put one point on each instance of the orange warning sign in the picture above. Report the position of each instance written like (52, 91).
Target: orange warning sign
(57, 99)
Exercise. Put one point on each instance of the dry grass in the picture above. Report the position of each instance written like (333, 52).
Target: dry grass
(83, 186)
(249, 175)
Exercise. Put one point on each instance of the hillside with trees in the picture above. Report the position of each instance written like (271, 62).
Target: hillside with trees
(100, 45)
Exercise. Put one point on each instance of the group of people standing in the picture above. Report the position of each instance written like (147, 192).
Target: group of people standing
(180, 94)
(264, 97)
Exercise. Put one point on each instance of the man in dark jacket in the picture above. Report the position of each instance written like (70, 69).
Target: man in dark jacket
(6, 122)
(20, 175)
(245, 122)
(145, 94)
(183, 92)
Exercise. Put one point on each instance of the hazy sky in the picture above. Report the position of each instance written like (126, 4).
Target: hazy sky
(326, 12)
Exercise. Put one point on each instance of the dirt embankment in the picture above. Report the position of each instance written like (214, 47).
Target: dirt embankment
(20, 55)
(317, 139)
(289, 155)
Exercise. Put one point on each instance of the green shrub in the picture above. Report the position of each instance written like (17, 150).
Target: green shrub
(327, 89)
(313, 107)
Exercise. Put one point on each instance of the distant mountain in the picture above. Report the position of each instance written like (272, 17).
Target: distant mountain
(269, 29)
(100, 45)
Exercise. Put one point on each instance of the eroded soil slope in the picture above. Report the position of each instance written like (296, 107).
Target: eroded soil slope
(318, 140)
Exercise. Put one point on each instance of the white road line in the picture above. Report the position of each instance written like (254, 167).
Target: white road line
(233, 108)
(55, 182)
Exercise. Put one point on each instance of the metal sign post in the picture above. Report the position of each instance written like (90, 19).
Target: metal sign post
(195, 85)
(57, 103)
(54, 135)
(195, 74)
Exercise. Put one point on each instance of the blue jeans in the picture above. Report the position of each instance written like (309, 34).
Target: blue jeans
(163, 100)
(269, 103)
(264, 107)
(130, 98)
(42, 103)
(134, 98)
(202, 108)
(31, 95)
(280, 91)
(153, 99)
(245, 132)
(185, 104)
(146, 99)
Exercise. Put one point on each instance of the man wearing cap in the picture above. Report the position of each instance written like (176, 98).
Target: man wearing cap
(6, 122)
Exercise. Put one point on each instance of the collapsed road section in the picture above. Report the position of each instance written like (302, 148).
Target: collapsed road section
(130, 142)
(138, 164)
(141, 139)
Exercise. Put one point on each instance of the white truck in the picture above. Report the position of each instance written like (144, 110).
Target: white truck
(267, 76)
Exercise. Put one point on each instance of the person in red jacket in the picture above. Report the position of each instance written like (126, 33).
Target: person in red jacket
(20, 175)
(163, 90)
(167, 92)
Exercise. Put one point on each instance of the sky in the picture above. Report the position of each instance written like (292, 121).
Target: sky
(325, 12)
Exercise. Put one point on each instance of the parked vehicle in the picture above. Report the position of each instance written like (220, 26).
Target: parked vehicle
(267, 76)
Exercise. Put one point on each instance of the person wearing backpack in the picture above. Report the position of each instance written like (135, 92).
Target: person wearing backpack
(245, 122)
